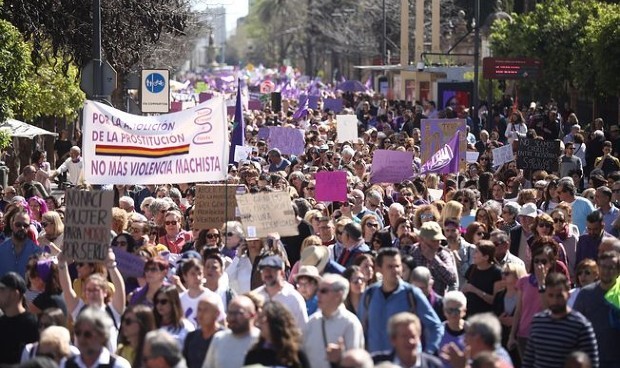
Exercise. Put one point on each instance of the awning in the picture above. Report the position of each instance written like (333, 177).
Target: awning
(20, 129)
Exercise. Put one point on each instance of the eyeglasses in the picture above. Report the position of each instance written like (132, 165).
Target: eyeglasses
(540, 261)
(171, 222)
(21, 224)
(369, 224)
(427, 216)
(161, 301)
(452, 310)
(558, 220)
(358, 280)
(310, 188)
(152, 269)
(84, 334)
(325, 290)
(545, 224)
(484, 159)
(212, 236)
(584, 272)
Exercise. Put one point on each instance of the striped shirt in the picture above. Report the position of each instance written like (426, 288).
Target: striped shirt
(551, 340)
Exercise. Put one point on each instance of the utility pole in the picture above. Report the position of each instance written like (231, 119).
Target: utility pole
(97, 59)
(384, 56)
(404, 33)
(476, 27)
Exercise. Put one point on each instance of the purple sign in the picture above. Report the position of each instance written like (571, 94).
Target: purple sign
(444, 161)
(334, 104)
(129, 264)
(391, 166)
(331, 186)
(289, 141)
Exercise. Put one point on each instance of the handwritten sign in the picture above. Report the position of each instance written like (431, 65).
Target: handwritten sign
(391, 166)
(88, 221)
(537, 154)
(346, 128)
(214, 205)
(331, 186)
(129, 264)
(287, 140)
(242, 153)
(265, 213)
(502, 154)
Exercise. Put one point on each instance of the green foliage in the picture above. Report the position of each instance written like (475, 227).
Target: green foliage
(575, 39)
(5, 139)
(14, 59)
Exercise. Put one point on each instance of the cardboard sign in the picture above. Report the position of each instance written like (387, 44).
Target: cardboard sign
(214, 205)
(265, 213)
(391, 166)
(88, 221)
(331, 186)
(537, 154)
(129, 264)
(502, 154)
(289, 141)
(346, 128)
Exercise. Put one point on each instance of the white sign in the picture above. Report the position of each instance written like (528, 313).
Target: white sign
(472, 156)
(242, 153)
(181, 147)
(346, 127)
(502, 154)
(155, 90)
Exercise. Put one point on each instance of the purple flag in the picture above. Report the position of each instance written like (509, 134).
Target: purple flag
(238, 132)
(302, 110)
(446, 160)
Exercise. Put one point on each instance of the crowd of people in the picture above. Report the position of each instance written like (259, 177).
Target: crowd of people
(505, 268)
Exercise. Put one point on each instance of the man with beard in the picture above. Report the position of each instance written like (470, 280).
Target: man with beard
(228, 347)
(276, 288)
(15, 251)
(559, 330)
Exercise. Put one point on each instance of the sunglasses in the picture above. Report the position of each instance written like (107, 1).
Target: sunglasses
(161, 301)
(368, 224)
(540, 261)
(558, 220)
(427, 216)
(212, 236)
(484, 159)
(545, 224)
(171, 222)
(310, 188)
(325, 290)
(84, 334)
(584, 272)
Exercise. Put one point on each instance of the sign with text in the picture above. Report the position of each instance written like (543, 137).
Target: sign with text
(538, 154)
(502, 154)
(88, 219)
(346, 128)
(155, 90)
(472, 156)
(331, 186)
(181, 147)
(129, 264)
(265, 213)
(436, 133)
(289, 141)
(511, 68)
(214, 205)
(391, 166)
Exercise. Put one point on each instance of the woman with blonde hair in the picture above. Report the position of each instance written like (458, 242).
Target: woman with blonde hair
(505, 300)
(452, 209)
(370, 225)
(312, 240)
(312, 217)
(53, 232)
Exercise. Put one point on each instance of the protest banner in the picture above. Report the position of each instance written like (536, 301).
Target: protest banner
(242, 153)
(331, 186)
(538, 154)
(129, 264)
(502, 154)
(88, 220)
(472, 156)
(346, 128)
(214, 205)
(435, 133)
(182, 147)
(265, 213)
(289, 141)
(333, 104)
(391, 166)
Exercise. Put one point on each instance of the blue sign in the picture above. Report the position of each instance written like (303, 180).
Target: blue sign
(155, 82)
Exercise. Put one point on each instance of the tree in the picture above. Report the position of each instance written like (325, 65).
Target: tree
(14, 59)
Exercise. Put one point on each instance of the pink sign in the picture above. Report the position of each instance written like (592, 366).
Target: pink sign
(331, 186)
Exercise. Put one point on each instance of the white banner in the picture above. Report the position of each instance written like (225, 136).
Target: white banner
(502, 154)
(182, 147)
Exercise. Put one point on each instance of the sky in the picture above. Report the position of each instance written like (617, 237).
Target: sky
(234, 9)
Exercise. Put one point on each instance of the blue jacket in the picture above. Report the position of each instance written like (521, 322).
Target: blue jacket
(9, 261)
(375, 310)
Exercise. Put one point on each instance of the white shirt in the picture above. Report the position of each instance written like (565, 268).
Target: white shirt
(104, 358)
(190, 305)
(240, 274)
(113, 331)
(228, 351)
(180, 333)
(341, 324)
(73, 168)
(291, 299)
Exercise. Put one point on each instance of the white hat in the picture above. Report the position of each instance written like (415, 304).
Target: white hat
(528, 209)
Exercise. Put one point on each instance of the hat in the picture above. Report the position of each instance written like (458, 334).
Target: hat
(308, 271)
(528, 209)
(316, 256)
(13, 281)
(271, 262)
(431, 230)
(576, 126)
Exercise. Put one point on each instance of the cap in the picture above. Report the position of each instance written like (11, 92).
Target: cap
(13, 281)
(271, 262)
(308, 271)
(528, 209)
(431, 230)
(316, 256)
